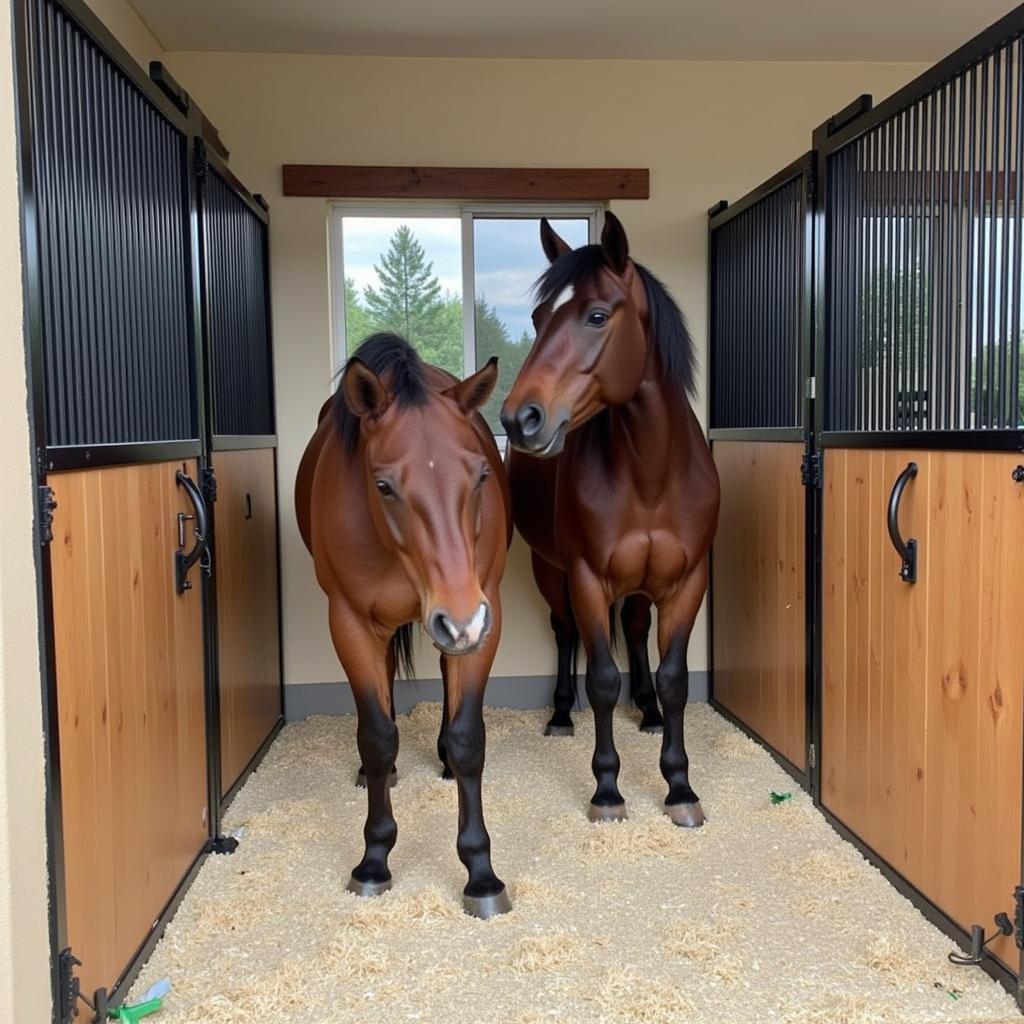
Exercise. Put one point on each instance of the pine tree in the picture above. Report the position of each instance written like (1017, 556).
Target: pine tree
(358, 325)
(493, 339)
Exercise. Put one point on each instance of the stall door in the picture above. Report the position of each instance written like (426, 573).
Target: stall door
(760, 353)
(128, 652)
(236, 313)
(923, 682)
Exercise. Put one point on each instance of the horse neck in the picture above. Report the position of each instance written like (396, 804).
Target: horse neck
(650, 435)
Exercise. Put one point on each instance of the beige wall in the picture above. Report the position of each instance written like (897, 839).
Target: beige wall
(24, 950)
(706, 131)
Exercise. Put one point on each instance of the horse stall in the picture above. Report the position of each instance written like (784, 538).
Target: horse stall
(860, 757)
(894, 246)
(157, 484)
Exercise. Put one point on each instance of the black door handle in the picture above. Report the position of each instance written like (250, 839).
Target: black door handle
(183, 561)
(906, 549)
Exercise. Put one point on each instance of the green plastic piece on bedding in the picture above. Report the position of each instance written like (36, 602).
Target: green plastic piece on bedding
(778, 798)
(132, 1014)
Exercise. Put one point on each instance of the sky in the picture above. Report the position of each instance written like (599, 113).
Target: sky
(507, 255)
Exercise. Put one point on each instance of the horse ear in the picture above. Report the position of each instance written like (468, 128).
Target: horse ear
(553, 243)
(614, 242)
(364, 391)
(471, 393)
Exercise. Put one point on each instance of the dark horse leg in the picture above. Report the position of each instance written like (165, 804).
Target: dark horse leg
(393, 778)
(554, 587)
(442, 736)
(636, 625)
(365, 663)
(675, 623)
(465, 679)
(604, 681)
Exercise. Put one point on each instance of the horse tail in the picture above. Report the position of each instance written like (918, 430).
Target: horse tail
(574, 632)
(613, 625)
(402, 652)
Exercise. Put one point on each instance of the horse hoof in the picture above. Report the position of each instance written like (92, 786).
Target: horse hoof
(607, 812)
(686, 815)
(487, 906)
(559, 730)
(652, 726)
(361, 778)
(447, 773)
(367, 888)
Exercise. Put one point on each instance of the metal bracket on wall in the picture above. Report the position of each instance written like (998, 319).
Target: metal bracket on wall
(47, 506)
(811, 470)
(209, 484)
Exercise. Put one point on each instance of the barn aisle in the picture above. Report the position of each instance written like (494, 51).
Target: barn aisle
(763, 915)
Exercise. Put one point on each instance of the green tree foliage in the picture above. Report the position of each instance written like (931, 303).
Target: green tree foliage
(493, 339)
(357, 321)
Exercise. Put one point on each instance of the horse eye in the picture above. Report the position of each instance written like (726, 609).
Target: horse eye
(597, 318)
(484, 474)
(385, 489)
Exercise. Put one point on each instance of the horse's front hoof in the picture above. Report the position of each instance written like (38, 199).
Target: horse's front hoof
(487, 906)
(559, 730)
(367, 888)
(652, 722)
(607, 812)
(686, 815)
(361, 778)
(447, 773)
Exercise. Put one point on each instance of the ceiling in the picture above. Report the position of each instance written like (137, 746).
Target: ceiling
(822, 30)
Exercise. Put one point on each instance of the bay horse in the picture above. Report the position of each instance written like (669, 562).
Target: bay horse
(402, 500)
(614, 489)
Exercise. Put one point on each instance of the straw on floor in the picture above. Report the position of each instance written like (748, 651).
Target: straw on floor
(765, 914)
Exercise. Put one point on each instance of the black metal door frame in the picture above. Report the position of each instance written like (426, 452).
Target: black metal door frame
(802, 170)
(163, 95)
(844, 128)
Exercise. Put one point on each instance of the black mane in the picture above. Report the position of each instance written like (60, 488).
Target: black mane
(666, 327)
(389, 356)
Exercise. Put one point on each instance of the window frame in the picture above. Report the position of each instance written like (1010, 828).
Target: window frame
(467, 213)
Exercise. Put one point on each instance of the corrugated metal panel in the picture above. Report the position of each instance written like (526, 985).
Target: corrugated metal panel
(924, 260)
(238, 326)
(112, 211)
(755, 313)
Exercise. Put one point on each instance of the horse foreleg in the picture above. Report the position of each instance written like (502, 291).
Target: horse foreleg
(636, 625)
(675, 624)
(391, 667)
(484, 895)
(590, 603)
(554, 587)
(364, 658)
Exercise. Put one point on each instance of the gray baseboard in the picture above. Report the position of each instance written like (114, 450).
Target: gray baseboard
(304, 699)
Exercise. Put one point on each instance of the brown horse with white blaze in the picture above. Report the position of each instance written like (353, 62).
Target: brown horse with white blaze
(403, 501)
(614, 487)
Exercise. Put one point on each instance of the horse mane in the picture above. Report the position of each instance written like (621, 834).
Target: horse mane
(666, 326)
(389, 357)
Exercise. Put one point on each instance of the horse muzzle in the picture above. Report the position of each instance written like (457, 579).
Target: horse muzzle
(530, 430)
(456, 636)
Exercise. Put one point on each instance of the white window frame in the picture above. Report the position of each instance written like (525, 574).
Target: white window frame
(467, 213)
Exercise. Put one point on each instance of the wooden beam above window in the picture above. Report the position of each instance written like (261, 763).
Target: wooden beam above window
(470, 183)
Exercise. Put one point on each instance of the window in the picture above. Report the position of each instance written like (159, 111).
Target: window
(453, 280)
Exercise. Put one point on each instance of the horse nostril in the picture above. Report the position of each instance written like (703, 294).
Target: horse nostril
(443, 629)
(530, 420)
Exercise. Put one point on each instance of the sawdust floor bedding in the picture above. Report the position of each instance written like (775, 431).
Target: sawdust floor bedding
(765, 914)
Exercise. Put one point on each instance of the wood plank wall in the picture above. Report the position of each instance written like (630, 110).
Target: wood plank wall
(923, 684)
(758, 585)
(247, 596)
(129, 677)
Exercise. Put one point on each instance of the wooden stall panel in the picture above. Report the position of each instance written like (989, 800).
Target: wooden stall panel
(922, 683)
(129, 676)
(247, 615)
(759, 592)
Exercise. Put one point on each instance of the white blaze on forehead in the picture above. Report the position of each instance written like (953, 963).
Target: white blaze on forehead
(430, 464)
(564, 296)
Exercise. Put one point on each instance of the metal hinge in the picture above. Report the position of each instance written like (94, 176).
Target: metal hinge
(811, 387)
(1018, 916)
(812, 756)
(201, 162)
(810, 470)
(47, 506)
(208, 482)
(70, 986)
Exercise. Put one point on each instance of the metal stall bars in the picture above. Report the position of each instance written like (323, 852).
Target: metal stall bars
(240, 374)
(761, 389)
(921, 509)
(120, 426)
